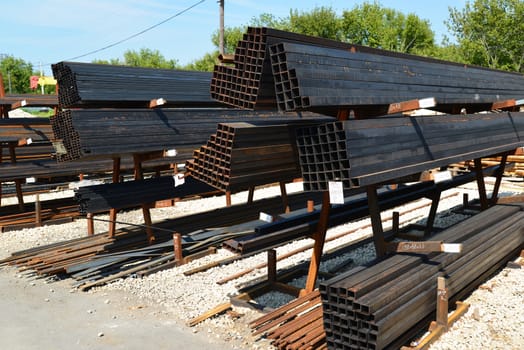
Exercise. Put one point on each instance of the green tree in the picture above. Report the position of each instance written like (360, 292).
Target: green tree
(373, 25)
(490, 33)
(16, 74)
(143, 58)
(321, 21)
(204, 64)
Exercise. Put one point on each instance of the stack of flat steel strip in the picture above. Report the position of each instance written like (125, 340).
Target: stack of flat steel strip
(98, 198)
(29, 100)
(243, 155)
(95, 133)
(372, 307)
(97, 85)
(309, 77)
(363, 152)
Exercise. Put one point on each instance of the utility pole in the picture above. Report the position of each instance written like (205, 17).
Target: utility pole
(221, 28)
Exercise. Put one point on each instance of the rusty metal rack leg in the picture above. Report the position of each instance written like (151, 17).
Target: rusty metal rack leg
(139, 175)
(376, 221)
(285, 200)
(481, 185)
(112, 211)
(250, 194)
(319, 237)
(432, 213)
(498, 179)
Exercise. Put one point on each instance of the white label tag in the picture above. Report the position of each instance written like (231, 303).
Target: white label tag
(179, 180)
(336, 192)
(427, 102)
(451, 247)
(440, 176)
(30, 180)
(171, 153)
(265, 217)
(23, 103)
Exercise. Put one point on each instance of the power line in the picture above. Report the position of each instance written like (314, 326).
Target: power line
(137, 34)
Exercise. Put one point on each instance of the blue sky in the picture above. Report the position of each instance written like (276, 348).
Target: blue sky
(48, 31)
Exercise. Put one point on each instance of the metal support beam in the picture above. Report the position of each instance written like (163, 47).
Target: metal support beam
(435, 199)
(481, 185)
(319, 237)
(376, 221)
(498, 179)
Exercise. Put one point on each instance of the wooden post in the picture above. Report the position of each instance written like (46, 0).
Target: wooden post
(319, 237)
(272, 265)
(228, 198)
(113, 211)
(90, 224)
(480, 184)
(442, 303)
(376, 221)
(177, 247)
(38, 211)
(310, 206)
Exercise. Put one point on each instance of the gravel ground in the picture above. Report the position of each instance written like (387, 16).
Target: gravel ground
(494, 320)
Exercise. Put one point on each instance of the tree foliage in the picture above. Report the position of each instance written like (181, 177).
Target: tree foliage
(142, 58)
(370, 24)
(16, 74)
(490, 33)
(321, 21)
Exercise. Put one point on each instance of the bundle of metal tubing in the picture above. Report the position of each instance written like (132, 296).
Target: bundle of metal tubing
(292, 71)
(309, 77)
(98, 198)
(371, 306)
(12, 101)
(49, 168)
(363, 152)
(249, 83)
(95, 133)
(243, 155)
(90, 85)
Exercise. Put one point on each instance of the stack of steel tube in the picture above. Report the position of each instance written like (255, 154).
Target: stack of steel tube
(372, 306)
(99, 85)
(243, 155)
(363, 152)
(102, 133)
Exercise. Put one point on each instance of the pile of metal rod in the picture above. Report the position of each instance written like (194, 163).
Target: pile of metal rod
(309, 77)
(102, 133)
(296, 325)
(98, 259)
(363, 152)
(293, 71)
(90, 85)
(243, 155)
(98, 198)
(372, 306)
